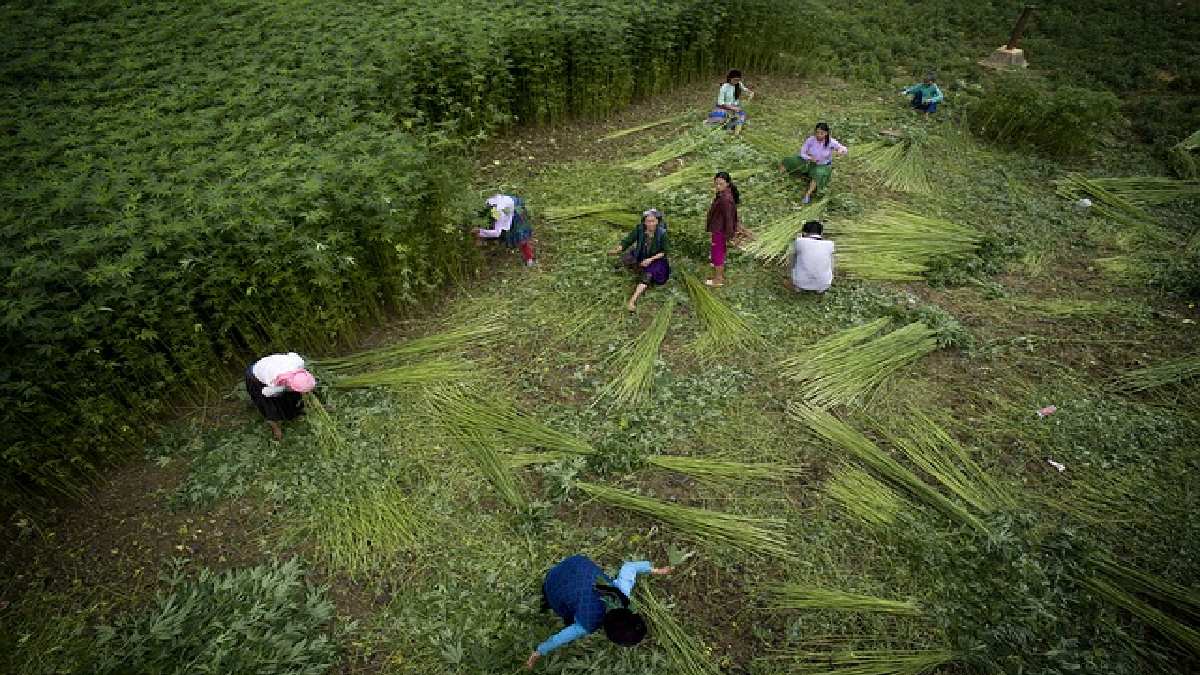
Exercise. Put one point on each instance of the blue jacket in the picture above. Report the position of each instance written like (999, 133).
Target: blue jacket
(570, 589)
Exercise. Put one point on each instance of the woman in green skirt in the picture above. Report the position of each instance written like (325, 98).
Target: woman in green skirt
(815, 160)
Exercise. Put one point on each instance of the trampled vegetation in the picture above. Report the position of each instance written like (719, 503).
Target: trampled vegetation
(966, 457)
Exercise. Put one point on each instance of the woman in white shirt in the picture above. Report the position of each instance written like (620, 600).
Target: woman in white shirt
(811, 259)
(276, 385)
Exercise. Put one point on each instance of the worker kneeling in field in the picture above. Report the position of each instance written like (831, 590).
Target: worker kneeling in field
(585, 598)
(811, 259)
(925, 94)
(276, 385)
(508, 222)
(645, 254)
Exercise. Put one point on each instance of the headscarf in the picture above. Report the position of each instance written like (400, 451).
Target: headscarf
(300, 381)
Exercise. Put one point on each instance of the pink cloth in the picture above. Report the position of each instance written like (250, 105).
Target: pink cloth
(818, 152)
(300, 381)
(718, 248)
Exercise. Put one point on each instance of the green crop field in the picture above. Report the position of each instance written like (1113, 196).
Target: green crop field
(974, 454)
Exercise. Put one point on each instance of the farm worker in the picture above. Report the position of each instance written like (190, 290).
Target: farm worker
(585, 598)
(814, 160)
(722, 223)
(811, 259)
(729, 110)
(645, 254)
(925, 95)
(276, 384)
(509, 223)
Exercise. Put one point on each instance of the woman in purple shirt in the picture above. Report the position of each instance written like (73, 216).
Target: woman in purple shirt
(815, 160)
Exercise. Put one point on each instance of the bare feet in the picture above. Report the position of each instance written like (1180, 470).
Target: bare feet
(276, 431)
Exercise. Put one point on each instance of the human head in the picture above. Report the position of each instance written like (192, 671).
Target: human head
(624, 627)
(652, 216)
(300, 381)
(813, 227)
(724, 181)
(930, 77)
(823, 137)
(732, 75)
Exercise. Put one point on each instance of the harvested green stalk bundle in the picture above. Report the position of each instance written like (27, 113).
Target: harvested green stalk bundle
(772, 243)
(650, 125)
(833, 374)
(636, 376)
(453, 409)
(1134, 580)
(428, 372)
(939, 455)
(686, 653)
(1161, 375)
(1074, 186)
(517, 460)
(894, 244)
(331, 441)
(695, 175)
(482, 331)
(744, 532)
(1070, 308)
(875, 662)
(1148, 189)
(865, 498)
(723, 328)
(552, 214)
(900, 165)
(494, 468)
(359, 524)
(723, 471)
(1182, 634)
(680, 146)
(884, 465)
(797, 596)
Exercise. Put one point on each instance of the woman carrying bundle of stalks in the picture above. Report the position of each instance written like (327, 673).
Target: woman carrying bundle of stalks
(729, 112)
(723, 224)
(645, 254)
(811, 259)
(586, 599)
(276, 385)
(508, 222)
(815, 160)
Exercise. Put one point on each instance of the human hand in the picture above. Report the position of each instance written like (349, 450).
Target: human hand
(475, 231)
(660, 571)
(533, 658)
(646, 262)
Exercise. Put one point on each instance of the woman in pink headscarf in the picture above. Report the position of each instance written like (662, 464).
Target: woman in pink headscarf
(276, 385)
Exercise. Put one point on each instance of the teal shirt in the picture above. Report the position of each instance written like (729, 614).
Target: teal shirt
(646, 249)
(929, 92)
(726, 96)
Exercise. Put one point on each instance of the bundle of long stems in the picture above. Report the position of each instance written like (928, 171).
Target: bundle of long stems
(1132, 579)
(456, 410)
(1148, 189)
(687, 654)
(1161, 375)
(894, 244)
(517, 460)
(553, 214)
(427, 372)
(900, 165)
(743, 532)
(864, 497)
(649, 125)
(875, 662)
(928, 446)
(482, 331)
(847, 376)
(698, 174)
(773, 241)
(1115, 206)
(356, 524)
(884, 465)
(680, 146)
(483, 448)
(635, 378)
(330, 439)
(799, 596)
(1068, 308)
(724, 330)
(1182, 634)
(724, 471)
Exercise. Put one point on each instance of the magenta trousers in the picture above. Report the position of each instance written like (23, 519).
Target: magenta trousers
(718, 249)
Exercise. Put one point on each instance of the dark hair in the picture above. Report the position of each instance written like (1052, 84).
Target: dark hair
(824, 127)
(813, 227)
(624, 627)
(738, 89)
(737, 196)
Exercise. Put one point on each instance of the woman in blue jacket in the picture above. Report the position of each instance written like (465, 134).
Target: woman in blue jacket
(586, 599)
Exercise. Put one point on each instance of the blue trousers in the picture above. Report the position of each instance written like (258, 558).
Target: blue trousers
(927, 107)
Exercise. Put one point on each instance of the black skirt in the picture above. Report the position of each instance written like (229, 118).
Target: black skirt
(286, 406)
